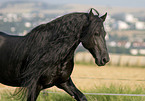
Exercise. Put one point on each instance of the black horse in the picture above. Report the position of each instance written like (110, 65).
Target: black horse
(45, 56)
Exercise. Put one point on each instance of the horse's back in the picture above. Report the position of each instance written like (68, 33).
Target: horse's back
(2, 34)
(7, 45)
(7, 69)
(3, 37)
(5, 48)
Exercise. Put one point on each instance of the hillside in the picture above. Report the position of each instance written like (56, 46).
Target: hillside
(36, 6)
(26, 7)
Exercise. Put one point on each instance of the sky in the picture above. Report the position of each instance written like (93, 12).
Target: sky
(120, 3)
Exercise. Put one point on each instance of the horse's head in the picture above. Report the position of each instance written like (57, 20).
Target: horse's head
(93, 38)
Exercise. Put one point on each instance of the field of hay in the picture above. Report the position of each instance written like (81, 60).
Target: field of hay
(90, 76)
(115, 59)
(94, 79)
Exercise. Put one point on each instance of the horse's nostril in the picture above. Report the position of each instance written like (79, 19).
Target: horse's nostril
(104, 60)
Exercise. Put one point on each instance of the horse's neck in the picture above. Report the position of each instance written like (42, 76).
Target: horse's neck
(65, 28)
(77, 24)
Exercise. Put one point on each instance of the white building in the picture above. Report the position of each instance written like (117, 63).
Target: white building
(140, 25)
(134, 51)
(121, 25)
(130, 18)
(113, 44)
(28, 24)
(142, 51)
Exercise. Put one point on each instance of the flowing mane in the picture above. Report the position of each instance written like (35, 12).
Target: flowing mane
(55, 42)
(63, 33)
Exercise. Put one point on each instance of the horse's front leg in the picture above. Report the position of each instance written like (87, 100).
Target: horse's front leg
(70, 88)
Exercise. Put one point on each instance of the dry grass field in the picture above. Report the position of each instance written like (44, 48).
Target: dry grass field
(89, 76)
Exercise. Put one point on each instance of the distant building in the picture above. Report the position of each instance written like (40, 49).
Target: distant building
(13, 29)
(127, 22)
(28, 24)
(137, 51)
(112, 44)
(128, 45)
(130, 18)
(134, 51)
(124, 44)
(138, 48)
(142, 51)
(140, 25)
(140, 45)
(121, 25)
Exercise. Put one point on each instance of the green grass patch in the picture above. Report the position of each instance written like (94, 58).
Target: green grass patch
(112, 89)
(103, 89)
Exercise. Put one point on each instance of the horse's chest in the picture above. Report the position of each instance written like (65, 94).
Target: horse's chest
(64, 71)
(59, 74)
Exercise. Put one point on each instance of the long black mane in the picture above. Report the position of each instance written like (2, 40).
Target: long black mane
(48, 44)
(47, 39)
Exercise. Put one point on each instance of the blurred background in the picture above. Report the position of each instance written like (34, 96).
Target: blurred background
(125, 27)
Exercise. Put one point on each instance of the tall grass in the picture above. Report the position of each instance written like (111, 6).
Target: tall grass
(117, 90)
(101, 89)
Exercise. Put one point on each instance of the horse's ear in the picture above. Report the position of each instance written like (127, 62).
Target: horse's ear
(91, 13)
(104, 17)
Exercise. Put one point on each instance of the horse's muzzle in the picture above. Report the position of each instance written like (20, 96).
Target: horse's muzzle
(102, 61)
